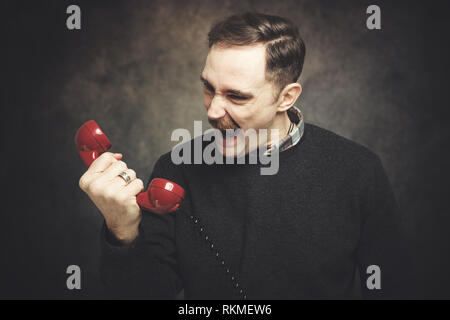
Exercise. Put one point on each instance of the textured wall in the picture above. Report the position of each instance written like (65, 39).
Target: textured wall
(134, 68)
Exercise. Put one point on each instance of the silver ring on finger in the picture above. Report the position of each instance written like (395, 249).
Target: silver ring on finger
(125, 176)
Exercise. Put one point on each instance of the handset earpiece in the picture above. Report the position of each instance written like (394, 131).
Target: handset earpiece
(91, 142)
(162, 196)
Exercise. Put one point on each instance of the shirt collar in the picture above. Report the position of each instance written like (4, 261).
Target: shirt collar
(290, 140)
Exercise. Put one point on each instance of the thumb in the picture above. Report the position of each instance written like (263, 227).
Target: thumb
(117, 156)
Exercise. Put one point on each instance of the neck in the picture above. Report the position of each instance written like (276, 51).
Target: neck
(282, 124)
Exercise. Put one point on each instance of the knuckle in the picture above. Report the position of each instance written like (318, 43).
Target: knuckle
(82, 183)
(121, 164)
(140, 183)
(106, 154)
(105, 157)
(108, 157)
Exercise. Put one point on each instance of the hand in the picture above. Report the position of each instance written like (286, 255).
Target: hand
(115, 198)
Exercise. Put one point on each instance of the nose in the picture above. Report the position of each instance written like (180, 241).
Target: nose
(216, 109)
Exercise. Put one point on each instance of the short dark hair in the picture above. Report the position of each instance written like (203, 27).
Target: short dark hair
(285, 49)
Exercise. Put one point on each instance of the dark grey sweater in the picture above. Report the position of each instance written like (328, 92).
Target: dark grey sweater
(305, 232)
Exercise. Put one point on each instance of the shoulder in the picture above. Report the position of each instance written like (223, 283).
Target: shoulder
(328, 145)
(182, 153)
(165, 158)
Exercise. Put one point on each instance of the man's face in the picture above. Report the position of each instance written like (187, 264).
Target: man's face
(236, 93)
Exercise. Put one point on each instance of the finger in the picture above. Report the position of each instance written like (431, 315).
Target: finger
(118, 156)
(134, 187)
(95, 170)
(97, 167)
(113, 170)
(118, 180)
(102, 163)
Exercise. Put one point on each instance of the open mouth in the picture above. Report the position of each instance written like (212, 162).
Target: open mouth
(229, 132)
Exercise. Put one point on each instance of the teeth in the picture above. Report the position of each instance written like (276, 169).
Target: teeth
(231, 133)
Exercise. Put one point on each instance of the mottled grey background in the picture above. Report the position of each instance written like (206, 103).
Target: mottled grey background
(134, 68)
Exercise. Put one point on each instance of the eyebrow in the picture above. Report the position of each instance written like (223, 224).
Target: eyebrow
(242, 94)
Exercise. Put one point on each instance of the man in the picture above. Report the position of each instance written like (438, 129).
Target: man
(327, 215)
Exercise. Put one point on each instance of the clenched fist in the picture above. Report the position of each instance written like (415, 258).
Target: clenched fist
(115, 198)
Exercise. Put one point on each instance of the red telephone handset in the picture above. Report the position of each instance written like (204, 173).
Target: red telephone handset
(162, 196)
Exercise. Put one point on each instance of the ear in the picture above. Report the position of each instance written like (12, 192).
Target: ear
(288, 96)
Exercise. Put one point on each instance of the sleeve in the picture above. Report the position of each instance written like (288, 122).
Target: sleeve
(146, 268)
(383, 257)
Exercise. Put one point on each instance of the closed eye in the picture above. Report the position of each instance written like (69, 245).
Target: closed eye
(234, 97)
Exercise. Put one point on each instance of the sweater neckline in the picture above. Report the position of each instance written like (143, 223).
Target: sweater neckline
(285, 154)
